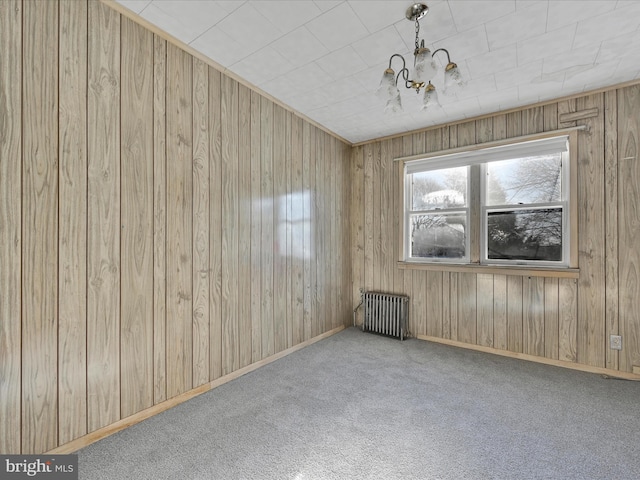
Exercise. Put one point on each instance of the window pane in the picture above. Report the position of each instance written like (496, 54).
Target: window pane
(525, 180)
(525, 235)
(438, 236)
(438, 189)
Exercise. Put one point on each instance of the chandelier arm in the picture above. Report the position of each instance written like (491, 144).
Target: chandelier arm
(445, 51)
(404, 65)
(404, 71)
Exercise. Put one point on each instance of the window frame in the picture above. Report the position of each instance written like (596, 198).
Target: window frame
(408, 200)
(476, 239)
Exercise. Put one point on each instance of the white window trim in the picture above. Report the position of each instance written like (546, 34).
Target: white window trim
(531, 145)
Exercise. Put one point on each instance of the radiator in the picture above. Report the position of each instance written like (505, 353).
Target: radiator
(385, 314)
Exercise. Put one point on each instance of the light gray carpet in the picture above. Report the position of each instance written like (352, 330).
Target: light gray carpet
(360, 406)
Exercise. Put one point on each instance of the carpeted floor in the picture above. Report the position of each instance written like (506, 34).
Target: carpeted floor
(360, 406)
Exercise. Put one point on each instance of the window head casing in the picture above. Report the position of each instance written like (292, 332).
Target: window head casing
(498, 205)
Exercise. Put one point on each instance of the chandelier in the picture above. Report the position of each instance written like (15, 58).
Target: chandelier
(424, 70)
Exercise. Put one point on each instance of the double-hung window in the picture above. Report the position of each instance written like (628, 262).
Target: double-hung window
(501, 205)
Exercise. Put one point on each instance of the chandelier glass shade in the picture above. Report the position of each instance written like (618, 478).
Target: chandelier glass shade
(430, 98)
(425, 69)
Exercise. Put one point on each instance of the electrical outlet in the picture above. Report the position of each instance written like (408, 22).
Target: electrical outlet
(615, 342)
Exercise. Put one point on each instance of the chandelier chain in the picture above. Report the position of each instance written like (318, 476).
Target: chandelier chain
(417, 33)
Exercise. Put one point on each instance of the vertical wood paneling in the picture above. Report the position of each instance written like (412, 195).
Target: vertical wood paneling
(567, 319)
(612, 260)
(345, 228)
(514, 124)
(103, 221)
(244, 225)
(215, 225)
(313, 223)
(298, 238)
(292, 321)
(368, 159)
(467, 307)
(72, 244)
(179, 222)
(499, 130)
(446, 305)
(485, 310)
(321, 240)
(229, 124)
(591, 311)
(418, 303)
(533, 316)
(387, 235)
(484, 130)
(333, 253)
(136, 240)
(434, 303)
(453, 304)
(256, 231)
(551, 317)
(286, 221)
(266, 271)
(10, 227)
(500, 326)
(629, 226)
(280, 230)
(514, 314)
(39, 210)
(307, 247)
(159, 221)
(201, 217)
(40, 227)
(376, 261)
(532, 120)
(550, 117)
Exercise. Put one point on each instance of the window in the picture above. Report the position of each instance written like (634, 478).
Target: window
(504, 205)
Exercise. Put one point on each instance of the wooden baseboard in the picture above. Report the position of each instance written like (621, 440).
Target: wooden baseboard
(532, 358)
(101, 433)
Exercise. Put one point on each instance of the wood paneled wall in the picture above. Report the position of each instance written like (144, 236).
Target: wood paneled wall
(557, 318)
(161, 225)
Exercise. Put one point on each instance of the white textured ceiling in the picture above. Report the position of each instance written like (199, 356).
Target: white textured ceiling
(325, 58)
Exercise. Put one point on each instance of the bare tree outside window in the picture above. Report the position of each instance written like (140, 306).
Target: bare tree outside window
(519, 233)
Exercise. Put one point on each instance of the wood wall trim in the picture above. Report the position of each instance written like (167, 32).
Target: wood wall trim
(104, 432)
(533, 358)
(492, 269)
(581, 115)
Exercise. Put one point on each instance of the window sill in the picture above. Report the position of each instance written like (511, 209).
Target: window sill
(492, 269)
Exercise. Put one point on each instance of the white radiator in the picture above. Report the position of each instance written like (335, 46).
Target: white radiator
(385, 314)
